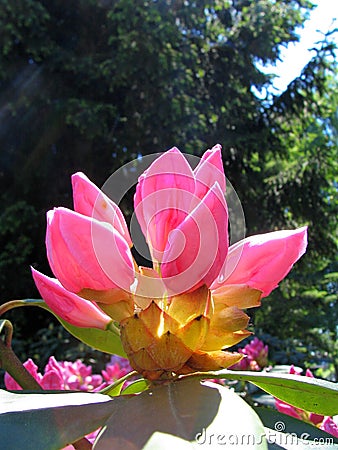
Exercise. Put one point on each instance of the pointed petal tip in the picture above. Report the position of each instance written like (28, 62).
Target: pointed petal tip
(69, 306)
(79, 176)
(173, 150)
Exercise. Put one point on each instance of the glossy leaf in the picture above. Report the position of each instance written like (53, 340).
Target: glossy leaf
(186, 414)
(104, 341)
(136, 387)
(114, 390)
(311, 394)
(50, 421)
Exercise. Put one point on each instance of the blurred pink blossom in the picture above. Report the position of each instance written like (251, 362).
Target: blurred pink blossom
(75, 376)
(329, 426)
(117, 368)
(51, 380)
(60, 375)
(255, 356)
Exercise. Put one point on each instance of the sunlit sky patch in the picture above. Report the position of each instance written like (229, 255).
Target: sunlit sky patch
(293, 58)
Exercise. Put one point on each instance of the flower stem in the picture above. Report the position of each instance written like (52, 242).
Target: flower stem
(11, 363)
(18, 303)
(10, 305)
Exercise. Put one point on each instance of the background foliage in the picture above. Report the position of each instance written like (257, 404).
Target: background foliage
(91, 84)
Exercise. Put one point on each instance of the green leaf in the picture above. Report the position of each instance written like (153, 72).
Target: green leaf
(182, 414)
(50, 421)
(136, 387)
(115, 390)
(311, 394)
(104, 341)
(116, 387)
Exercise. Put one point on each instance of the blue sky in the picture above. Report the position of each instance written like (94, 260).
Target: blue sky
(296, 56)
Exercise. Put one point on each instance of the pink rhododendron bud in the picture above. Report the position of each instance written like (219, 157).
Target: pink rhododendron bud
(69, 306)
(180, 315)
(90, 201)
(183, 216)
(209, 171)
(86, 253)
(263, 260)
(163, 196)
(195, 251)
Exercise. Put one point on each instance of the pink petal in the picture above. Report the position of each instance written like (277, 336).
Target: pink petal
(330, 426)
(31, 367)
(294, 371)
(197, 248)
(84, 253)
(316, 418)
(90, 201)
(208, 171)
(10, 383)
(263, 260)
(285, 408)
(308, 373)
(53, 381)
(53, 364)
(163, 197)
(70, 307)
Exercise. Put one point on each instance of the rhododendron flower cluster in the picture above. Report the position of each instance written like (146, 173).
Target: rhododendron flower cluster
(325, 423)
(77, 376)
(181, 314)
(117, 368)
(255, 356)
